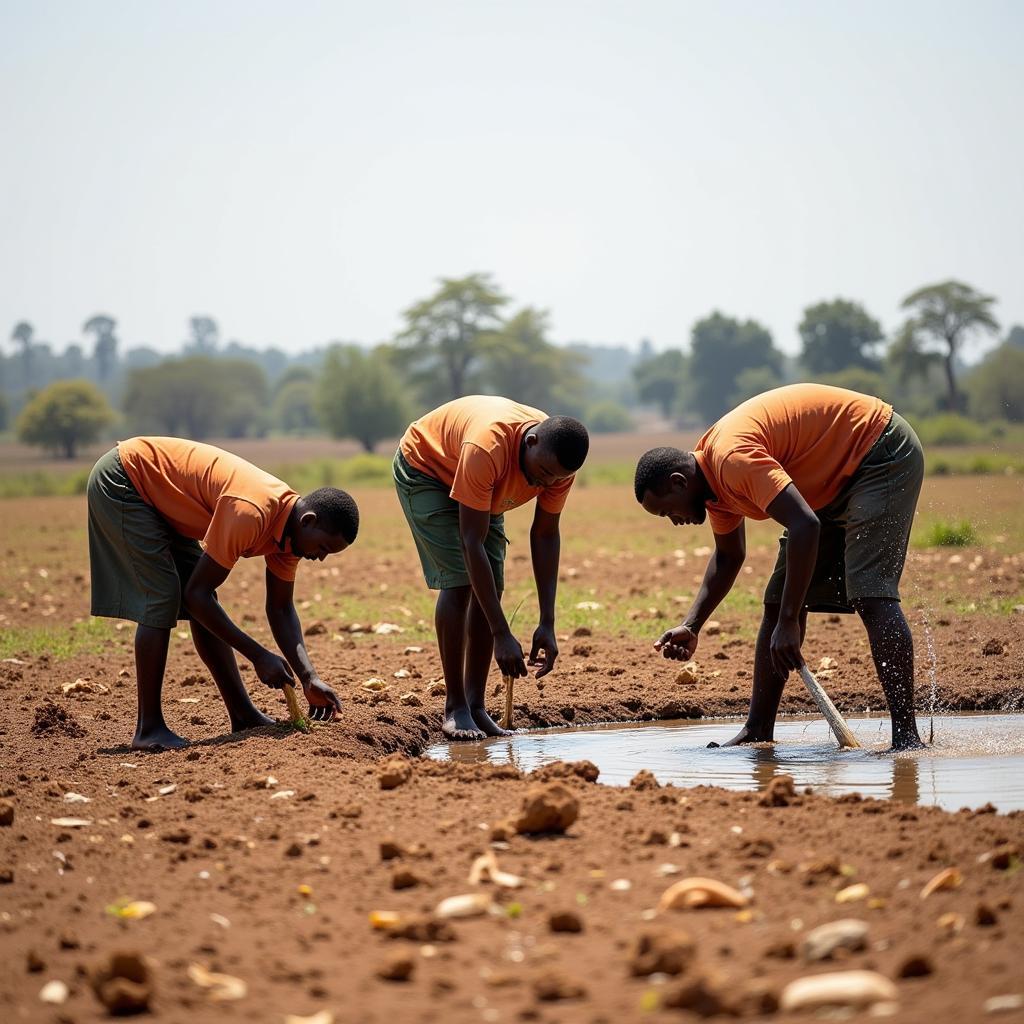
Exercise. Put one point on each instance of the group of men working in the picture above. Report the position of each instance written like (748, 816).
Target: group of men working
(840, 471)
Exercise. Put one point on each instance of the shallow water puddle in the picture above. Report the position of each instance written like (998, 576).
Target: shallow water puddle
(976, 759)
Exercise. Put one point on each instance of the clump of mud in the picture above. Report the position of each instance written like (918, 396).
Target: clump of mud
(52, 720)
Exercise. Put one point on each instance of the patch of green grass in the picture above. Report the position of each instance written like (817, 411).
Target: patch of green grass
(360, 470)
(974, 464)
(991, 606)
(59, 641)
(949, 534)
(42, 483)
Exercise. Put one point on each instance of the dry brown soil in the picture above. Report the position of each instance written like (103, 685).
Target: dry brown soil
(223, 853)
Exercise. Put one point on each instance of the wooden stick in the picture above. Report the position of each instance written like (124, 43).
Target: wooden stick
(506, 719)
(842, 731)
(298, 719)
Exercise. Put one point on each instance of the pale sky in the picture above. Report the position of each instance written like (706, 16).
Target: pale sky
(303, 171)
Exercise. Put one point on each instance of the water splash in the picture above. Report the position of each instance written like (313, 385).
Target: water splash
(929, 640)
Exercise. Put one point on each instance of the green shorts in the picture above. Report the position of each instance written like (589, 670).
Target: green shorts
(138, 563)
(865, 529)
(433, 517)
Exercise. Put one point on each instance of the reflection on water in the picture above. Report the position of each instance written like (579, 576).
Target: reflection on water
(976, 759)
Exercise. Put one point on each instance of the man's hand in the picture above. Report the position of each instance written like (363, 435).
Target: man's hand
(785, 648)
(677, 644)
(273, 670)
(508, 653)
(324, 703)
(543, 640)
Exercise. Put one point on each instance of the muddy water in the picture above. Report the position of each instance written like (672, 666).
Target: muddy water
(975, 759)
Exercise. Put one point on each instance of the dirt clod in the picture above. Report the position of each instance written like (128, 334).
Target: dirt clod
(123, 983)
(547, 808)
(6, 813)
(399, 967)
(565, 921)
(394, 772)
(662, 951)
(915, 966)
(781, 792)
(553, 986)
(52, 720)
(644, 779)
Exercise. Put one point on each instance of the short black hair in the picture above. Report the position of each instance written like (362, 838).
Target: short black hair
(336, 511)
(567, 439)
(656, 465)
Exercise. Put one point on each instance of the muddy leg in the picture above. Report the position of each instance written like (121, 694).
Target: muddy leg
(151, 731)
(768, 684)
(450, 626)
(892, 648)
(479, 653)
(219, 658)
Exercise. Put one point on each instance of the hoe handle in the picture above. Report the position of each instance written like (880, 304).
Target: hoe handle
(506, 719)
(828, 709)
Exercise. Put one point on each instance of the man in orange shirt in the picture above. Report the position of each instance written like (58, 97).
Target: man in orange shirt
(457, 471)
(151, 501)
(842, 473)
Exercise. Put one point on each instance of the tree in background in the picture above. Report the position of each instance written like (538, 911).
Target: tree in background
(198, 397)
(22, 334)
(754, 380)
(205, 335)
(105, 350)
(64, 415)
(722, 349)
(443, 333)
(947, 316)
(294, 407)
(520, 363)
(858, 378)
(608, 418)
(837, 335)
(1015, 336)
(359, 395)
(659, 379)
(996, 386)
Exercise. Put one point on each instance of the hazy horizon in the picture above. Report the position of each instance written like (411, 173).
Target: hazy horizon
(303, 174)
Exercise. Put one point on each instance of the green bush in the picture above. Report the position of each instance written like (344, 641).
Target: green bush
(608, 418)
(943, 534)
(949, 429)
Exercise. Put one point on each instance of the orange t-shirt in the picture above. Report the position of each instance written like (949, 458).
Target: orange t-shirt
(810, 435)
(472, 446)
(206, 493)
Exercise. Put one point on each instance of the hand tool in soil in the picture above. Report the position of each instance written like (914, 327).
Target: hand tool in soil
(509, 681)
(840, 729)
(295, 715)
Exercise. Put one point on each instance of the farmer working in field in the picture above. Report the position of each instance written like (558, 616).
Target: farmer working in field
(151, 500)
(458, 469)
(841, 472)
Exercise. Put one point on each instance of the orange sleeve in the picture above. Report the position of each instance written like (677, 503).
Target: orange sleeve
(552, 499)
(723, 522)
(754, 476)
(475, 477)
(283, 565)
(236, 526)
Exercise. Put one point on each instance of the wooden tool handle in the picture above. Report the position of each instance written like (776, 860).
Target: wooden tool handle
(298, 719)
(506, 719)
(842, 731)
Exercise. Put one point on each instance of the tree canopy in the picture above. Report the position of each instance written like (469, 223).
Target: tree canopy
(359, 396)
(65, 415)
(996, 386)
(947, 316)
(722, 349)
(837, 335)
(659, 379)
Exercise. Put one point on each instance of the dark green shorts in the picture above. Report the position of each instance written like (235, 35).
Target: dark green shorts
(433, 517)
(866, 529)
(138, 563)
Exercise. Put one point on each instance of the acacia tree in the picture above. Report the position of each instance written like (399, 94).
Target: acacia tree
(65, 415)
(659, 379)
(105, 350)
(205, 335)
(443, 332)
(947, 316)
(836, 335)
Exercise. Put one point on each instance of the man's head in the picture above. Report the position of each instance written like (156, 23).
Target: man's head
(323, 523)
(668, 483)
(553, 450)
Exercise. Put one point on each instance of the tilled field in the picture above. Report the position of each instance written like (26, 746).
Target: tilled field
(264, 855)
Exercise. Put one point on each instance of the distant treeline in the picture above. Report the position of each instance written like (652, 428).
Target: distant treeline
(464, 338)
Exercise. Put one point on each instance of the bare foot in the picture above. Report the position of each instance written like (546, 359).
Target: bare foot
(746, 735)
(160, 738)
(488, 724)
(459, 725)
(252, 719)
